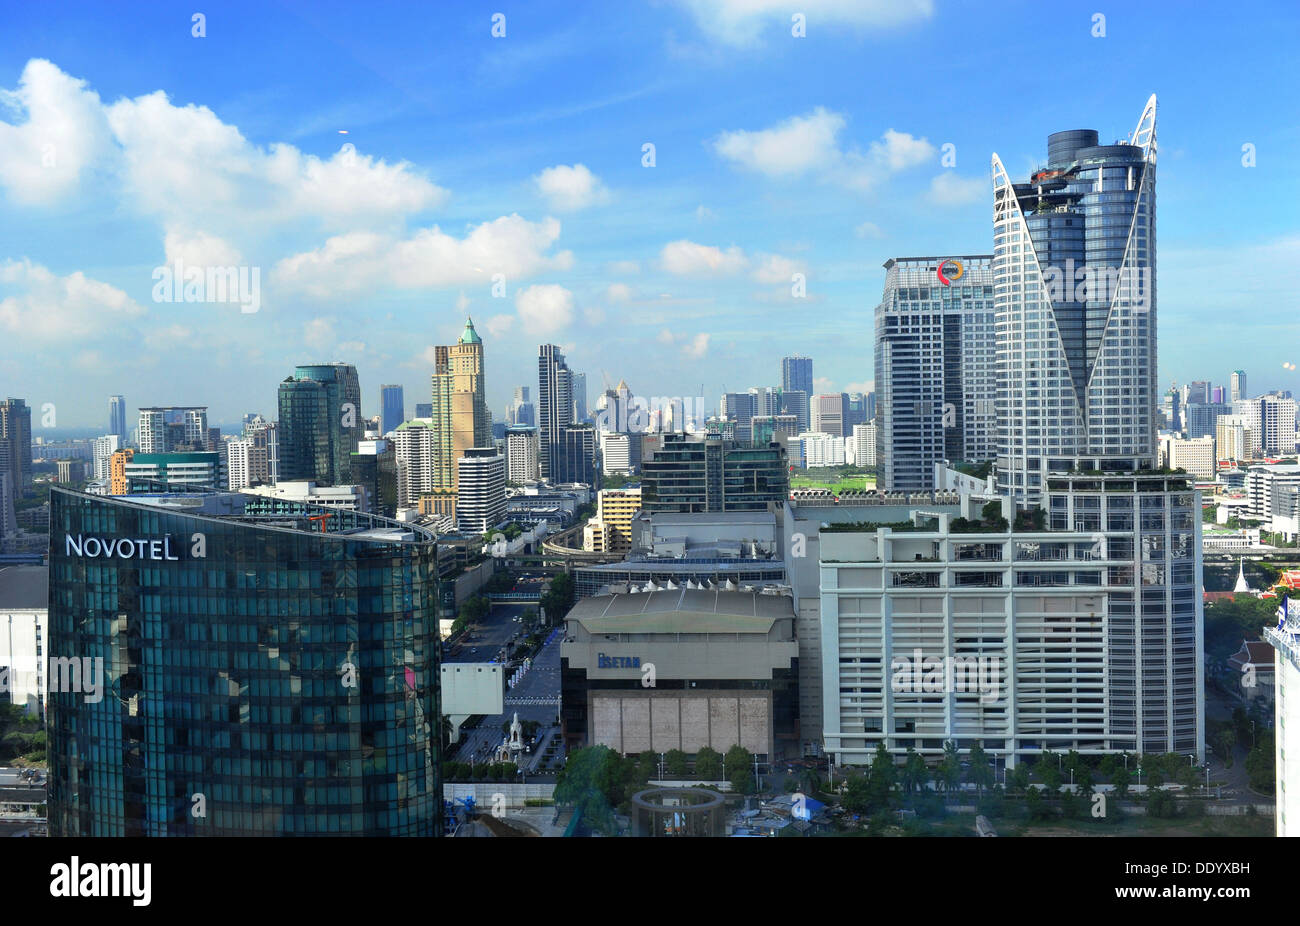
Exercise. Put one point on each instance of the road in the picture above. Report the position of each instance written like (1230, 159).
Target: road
(536, 697)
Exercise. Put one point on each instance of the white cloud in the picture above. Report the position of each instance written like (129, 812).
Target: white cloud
(36, 303)
(777, 269)
(568, 189)
(947, 189)
(798, 144)
(624, 267)
(544, 308)
(697, 347)
(183, 164)
(62, 131)
(863, 387)
(688, 258)
(430, 258)
(741, 22)
(823, 384)
(498, 325)
(594, 315)
(868, 230)
(318, 333)
(810, 144)
(199, 249)
(618, 292)
(704, 214)
(665, 336)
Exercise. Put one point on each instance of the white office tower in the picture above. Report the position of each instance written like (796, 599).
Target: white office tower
(167, 428)
(821, 449)
(1195, 455)
(864, 445)
(1285, 639)
(481, 490)
(414, 447)
(1085, 635)
(104, 447)
(935, 367)
(1233, 438)
(521, 455)
(616, 453)
(1272, 419)
(1237, 386)
(1074, 256)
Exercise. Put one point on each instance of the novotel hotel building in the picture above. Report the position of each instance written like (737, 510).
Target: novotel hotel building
(259, 674)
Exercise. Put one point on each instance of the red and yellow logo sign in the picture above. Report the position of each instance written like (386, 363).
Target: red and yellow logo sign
(949, 278)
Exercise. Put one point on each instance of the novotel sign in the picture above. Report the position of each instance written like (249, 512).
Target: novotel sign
(121, 547)
(617, 662)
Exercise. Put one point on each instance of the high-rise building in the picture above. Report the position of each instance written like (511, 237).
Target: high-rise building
(481, 496)
(171, 428)
(117, 482)
(392, 408)
(423, 409)
(578, 387)
(414, 444)
(1272, 419)
(117, 418)
(828, 413)
(797, 374)
(1082, 636)
(935, 367)
(579, 457)
(1075, 298)
(1198, 392)
(521, 412)
(1195, 455)
(16, 429)
(1237, 386)
(795, 402)
(739, 407)
(105, 447)
(1285, 640)
(768, 428)
(374, 467)
(555, 410)
(521, 455)
(864, 445)
(148, 472)
(1217, 396)
(689, 473)
(460, 412)
(320, 423)
(1233, 438)
(610, 531)
(226, 698)
(855, 411)
(1199, 418)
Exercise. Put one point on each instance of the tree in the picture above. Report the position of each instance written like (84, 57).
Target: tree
(474, 609)
(1121, 778)
(708, 764)
(1035, 806)
(675, 763)
(1084, 781)
(882, 777)
(915, 774)
(981, 772)
(1106, 767)
(592, 783)
(1161, 804)
(1224, 741)
(1260, 764)
(738, 766)
(1047, 768)
(949, 771)
(1019, 777)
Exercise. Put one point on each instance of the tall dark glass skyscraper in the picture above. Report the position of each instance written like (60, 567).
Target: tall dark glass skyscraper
(320, 422)
(16, 439)
(117, 418)
(1074, 256)
(273, 675)
(392, 408)
(555, 410)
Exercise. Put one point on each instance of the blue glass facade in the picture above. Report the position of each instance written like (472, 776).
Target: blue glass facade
(261, 676)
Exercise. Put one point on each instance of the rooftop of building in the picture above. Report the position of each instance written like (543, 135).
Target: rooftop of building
(682, 610)
(218, 506)
(24, 588)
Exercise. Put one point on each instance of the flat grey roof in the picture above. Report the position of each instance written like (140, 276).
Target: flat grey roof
(25, 588)
(682, 610)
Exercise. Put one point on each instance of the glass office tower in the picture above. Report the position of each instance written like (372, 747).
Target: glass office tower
(320, 422)
(1074, 294)
(272, 675)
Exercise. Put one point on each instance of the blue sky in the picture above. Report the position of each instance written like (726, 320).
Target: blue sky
(126, 143)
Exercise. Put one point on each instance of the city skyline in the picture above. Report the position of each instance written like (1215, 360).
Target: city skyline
(667, 267)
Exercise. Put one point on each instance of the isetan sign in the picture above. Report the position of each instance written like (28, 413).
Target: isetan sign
(120, 547)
